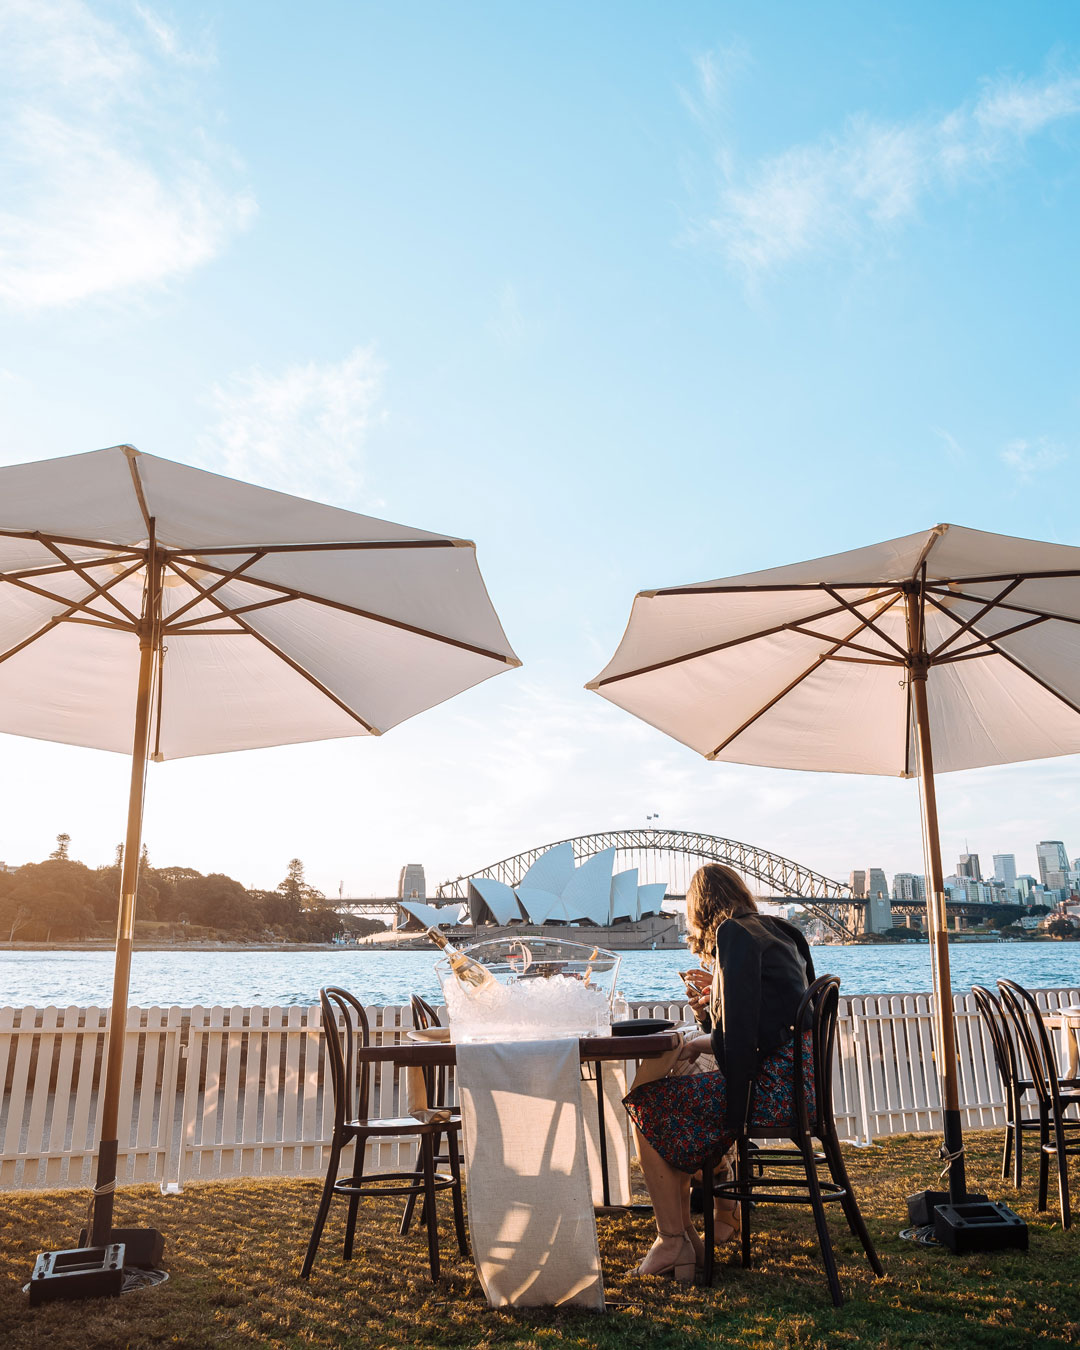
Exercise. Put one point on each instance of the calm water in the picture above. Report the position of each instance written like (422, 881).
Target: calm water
(268, 978)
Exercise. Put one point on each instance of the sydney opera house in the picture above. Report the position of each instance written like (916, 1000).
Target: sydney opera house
(556, 892)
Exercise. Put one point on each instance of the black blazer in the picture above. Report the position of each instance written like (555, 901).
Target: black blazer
(763, 967)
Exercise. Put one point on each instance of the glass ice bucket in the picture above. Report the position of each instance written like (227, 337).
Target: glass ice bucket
(544, 989)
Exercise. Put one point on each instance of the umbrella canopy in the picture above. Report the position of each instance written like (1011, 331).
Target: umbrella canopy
(797, 667)
(153, 608)
(948, 649)
(281, 620)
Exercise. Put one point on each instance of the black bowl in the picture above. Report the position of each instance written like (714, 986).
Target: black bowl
(640, 1026)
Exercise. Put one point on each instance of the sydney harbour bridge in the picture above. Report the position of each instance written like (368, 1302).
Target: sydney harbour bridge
(672, 856)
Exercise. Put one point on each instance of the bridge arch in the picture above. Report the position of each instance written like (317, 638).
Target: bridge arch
(827, 900)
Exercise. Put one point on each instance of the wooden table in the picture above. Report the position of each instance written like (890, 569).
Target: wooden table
(593, 1050)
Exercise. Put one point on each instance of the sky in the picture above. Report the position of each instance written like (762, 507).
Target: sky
(631, 294)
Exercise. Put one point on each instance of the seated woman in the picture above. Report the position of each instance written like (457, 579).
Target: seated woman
(761, 969)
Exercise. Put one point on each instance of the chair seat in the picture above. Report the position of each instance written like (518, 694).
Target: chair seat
(401, 1125)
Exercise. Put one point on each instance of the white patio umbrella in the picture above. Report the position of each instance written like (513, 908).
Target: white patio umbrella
(948, 649)
(157, 609)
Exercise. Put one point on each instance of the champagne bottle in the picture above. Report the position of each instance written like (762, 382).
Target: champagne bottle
(468, 971)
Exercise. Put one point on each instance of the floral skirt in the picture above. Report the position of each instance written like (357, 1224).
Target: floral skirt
(683, 1118)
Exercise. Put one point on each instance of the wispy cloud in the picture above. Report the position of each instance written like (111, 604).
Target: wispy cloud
(872, 175)
(109, 187)
(1028, 458)
(301, 431)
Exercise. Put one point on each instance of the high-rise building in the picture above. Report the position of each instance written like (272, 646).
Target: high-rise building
(908, 886)
(412, 884)
(968, 866)
(1005, 870)
(1053, 864)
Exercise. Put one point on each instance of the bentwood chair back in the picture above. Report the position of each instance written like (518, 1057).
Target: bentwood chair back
(345, 1026)
(1054, 1099)
(1014, 1084)
(765, 1176)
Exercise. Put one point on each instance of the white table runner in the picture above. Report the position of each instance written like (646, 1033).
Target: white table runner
(530, 1205)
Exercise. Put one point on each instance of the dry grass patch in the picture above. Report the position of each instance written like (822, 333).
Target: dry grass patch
(234, 1251)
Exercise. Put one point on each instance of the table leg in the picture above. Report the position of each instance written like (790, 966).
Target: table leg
(605, 1180)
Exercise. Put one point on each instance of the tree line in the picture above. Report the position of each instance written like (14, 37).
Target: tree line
(61, 898)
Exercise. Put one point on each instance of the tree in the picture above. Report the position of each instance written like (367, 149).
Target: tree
(296, 889)
(61, 853)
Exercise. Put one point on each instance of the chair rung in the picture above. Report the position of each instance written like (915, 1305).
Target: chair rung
(749, 1191)
(373, 1192)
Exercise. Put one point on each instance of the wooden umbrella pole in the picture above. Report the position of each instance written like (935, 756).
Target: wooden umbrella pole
(105, 1182)
(918, 669)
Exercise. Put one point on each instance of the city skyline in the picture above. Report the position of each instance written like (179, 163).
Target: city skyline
(630, 295)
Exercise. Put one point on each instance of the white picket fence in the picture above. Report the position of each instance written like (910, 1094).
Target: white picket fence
(221, 1092)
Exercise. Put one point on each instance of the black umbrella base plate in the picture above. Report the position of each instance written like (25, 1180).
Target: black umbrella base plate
(82, 1272)
(975, 1227)
(143, 1247)
(922, 1205)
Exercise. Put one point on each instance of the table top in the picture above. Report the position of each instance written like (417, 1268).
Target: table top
(1062, 1016)
(590, 1047)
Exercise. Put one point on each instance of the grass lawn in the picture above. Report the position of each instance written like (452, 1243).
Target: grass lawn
(234, 1251)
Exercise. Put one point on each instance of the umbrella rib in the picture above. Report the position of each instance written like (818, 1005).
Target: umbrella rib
(855, 646)
(288, 660)
(66, 600)
(104, 591)
(190, 625)
(54, 568)
(132, 454)
(211, 590)
(778, 586)
(718, 647)
(795, 683)
(969, 624)
(1014, 661)
(872, 626)
(106, 546)
(47, 627)
(1012, 608)
(289, 593)
(971, 648)
(322, 546)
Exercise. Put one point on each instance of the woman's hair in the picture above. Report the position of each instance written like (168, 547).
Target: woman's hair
(715, 893)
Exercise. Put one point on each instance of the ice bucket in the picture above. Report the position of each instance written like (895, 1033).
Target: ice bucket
(544, 989)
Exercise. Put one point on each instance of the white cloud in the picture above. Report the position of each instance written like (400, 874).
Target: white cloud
(301, 431)
(1027, 458)
(107, 188)
(872, 175)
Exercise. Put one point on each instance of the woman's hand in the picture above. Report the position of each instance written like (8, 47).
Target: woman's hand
(695, 1046)
(698, 989)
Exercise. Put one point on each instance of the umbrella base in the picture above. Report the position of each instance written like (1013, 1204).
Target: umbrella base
(922, 1206)
(986, 1227)
(143, 1247)
(84, 1272)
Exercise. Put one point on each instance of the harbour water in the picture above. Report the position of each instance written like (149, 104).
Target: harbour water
(231, 978)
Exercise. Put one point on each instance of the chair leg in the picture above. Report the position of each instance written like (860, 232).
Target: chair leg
(410, 1204)
(1063, 1172)
(1006, 1150)
(743, 1173)
(1018, 1138)
(828, 1257)
(709, 1217)
(455, 1192)
(354, 1200)
(1044, 1158)
(324, 1209)
(839, 1173)
(427, 1153)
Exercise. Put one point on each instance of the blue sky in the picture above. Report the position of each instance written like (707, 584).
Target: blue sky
(632, 294)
